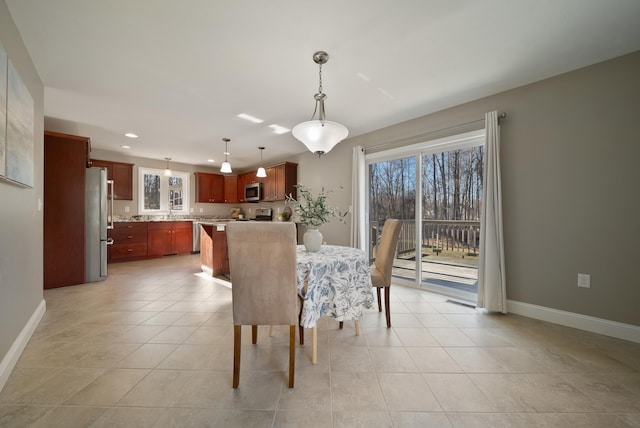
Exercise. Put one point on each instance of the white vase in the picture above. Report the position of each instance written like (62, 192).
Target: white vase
(312, 240)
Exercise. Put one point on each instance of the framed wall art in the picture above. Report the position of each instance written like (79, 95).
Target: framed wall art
(20, 120)
(3, 109)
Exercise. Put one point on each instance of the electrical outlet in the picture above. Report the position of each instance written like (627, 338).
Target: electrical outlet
(201, 210)
(126, 208)
(584, 280)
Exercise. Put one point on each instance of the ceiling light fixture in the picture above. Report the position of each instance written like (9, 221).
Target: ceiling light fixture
(250, 118)
(261, 172)
(130, 135)
(320, 135)
(226, 166)
(277, 129)
(167, 170)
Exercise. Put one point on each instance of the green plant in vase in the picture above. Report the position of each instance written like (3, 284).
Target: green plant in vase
(313, 212)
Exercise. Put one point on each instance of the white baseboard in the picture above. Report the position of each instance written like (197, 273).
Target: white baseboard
(11, 358)
(579, 321)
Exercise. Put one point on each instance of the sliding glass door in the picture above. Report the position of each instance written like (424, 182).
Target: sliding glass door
(435, 188)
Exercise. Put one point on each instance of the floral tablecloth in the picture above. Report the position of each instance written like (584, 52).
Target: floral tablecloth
(334, 282)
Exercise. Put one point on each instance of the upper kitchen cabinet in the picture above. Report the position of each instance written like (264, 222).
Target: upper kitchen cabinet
(66, 158)
(122, 175)
(230, 189)
(280, 181)
(209, 187)
(243, 180)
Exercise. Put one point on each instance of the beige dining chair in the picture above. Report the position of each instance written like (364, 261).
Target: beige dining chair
(384, 253)
(262, 260)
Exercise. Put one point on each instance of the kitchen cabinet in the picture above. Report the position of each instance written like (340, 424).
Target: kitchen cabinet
(122, 175)
(129, 241)
(280, 181)
(243, 180)
(169, 237)
(209, 187)
(66, 158)
(230, 189)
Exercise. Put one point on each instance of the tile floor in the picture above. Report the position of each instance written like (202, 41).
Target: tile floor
(152, 347)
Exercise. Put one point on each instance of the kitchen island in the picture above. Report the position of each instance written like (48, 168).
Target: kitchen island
(214, 257)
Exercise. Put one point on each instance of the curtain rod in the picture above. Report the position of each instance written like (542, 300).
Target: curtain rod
(427, 135)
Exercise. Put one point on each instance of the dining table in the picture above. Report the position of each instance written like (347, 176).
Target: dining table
(332, 282)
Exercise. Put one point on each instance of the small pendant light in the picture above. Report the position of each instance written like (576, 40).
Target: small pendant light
(226, 166)
(167, 170)
(261, 172)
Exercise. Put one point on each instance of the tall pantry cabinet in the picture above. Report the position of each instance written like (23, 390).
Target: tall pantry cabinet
(66, 158)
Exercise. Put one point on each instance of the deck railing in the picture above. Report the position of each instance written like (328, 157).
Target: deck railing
(438, 235)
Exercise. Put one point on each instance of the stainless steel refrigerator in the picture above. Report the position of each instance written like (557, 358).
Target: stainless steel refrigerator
(97, 221)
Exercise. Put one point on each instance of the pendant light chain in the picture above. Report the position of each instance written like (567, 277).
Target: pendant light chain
(320, 78)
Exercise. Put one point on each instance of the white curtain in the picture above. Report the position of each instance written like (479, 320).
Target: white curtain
(491, 271)
(358, 221)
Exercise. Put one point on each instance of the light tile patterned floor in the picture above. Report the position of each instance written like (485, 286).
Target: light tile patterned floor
(152, 347)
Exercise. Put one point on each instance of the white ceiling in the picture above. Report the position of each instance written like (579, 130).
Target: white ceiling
(177, 73)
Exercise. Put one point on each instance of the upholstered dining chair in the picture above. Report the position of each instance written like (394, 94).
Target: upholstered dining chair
(384, 253)
(262, 261)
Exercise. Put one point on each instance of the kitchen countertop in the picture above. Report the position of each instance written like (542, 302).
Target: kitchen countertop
(145, 218)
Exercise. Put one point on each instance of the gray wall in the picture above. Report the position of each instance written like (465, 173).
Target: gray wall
(20, 220)
(569, 155)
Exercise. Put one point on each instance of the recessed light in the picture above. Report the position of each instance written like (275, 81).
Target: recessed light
(210, 160)
(126, 147)
(250, 118)
(279, 129)
(130, 135)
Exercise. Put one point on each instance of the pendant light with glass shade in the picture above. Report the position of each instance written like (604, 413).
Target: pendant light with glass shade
(167, 170)
(226, 166)
(320, 135)
(261, 171)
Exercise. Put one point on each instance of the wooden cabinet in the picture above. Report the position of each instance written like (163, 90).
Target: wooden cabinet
(280, 181)
(129, 241)
(209, 187)
(66, 158)
(169, 237)
(243, 180)
(122, 175)
(230, 189)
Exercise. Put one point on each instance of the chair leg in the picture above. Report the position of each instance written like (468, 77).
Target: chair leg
(379, 300)
(341, 325)
(387, 311)
(356, 323)
(300, 328)
(254, 334)
(292, 354)
(237, 336)
(314, 345)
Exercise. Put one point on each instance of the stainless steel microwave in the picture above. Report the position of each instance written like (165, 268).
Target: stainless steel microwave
(253, 192)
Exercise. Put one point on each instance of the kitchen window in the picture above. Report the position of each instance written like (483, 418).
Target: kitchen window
(161, 195)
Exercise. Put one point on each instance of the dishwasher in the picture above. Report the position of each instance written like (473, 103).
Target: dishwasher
(196, 237)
